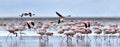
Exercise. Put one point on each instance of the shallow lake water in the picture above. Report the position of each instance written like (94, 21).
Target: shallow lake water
(58, 41)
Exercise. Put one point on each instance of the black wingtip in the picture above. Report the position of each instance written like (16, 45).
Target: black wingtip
(56, 12)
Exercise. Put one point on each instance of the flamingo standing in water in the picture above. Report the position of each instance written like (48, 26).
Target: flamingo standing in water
(98, 31)
(19, 28)
(45, 33)
(69, 34)
(61, 17)
(49, 34)
(88, 31)
(84, 31)
(27, 14)
(11, 31)
(15, 29)
(110, 31)
(41, 37)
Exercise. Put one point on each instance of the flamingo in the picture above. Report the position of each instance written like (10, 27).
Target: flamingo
(41, 37)
(2, 24)
(49, 34)
(84, 31)
(69, 34)
(113, 25)
(87, 24)
(110, 31)
(98, 31)
(61, 17)
(61, 31)
(19, 28)
(27, 14)
(41, 33)
(39, 25)
(11, 31)
(30, 24)
(99, 24)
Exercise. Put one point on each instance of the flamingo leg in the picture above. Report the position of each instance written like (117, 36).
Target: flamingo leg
(88, 37)
(67, 38)
(104, 37)
(63, 38)
(41, 38)
(95, 38)
(21, 35)
(118, 38)
(79, 37)
(47, 38)
(100, 37)
(7, 37)
(11, 37)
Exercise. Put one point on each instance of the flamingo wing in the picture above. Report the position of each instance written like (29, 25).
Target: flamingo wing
(59, 15)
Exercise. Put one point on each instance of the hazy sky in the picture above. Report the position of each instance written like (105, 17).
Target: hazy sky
(47, 8)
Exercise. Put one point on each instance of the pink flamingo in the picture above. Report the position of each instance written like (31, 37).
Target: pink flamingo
(113, 25)
(110, 31)
(61, 31)
(12, 31)
(2, 24)
(69, 34)
(98, 31)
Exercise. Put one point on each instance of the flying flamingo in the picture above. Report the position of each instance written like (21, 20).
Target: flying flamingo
(27, 14)
(61, 17)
